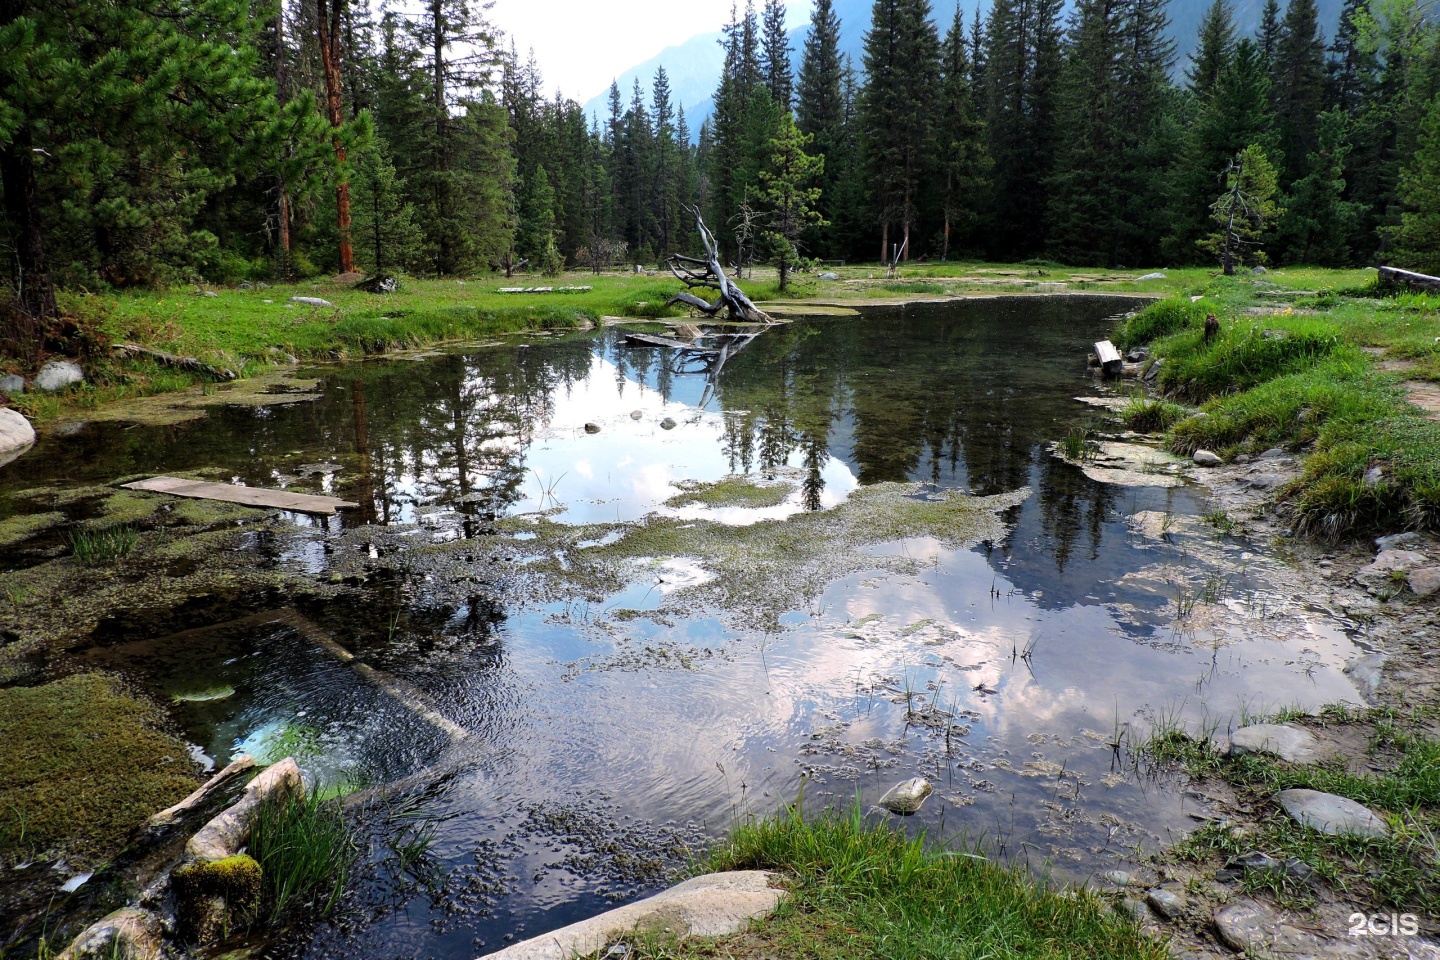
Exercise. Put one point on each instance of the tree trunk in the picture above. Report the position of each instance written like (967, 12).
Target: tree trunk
(36, 305)
(329, 20)
(885, 242)
(281, 96)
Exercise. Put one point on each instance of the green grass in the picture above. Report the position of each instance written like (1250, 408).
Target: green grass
(93, 548)
(1159, 320)
(861, 889)
(305, 850)
(1145, 415)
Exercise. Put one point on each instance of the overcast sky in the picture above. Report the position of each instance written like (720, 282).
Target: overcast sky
(582, 45)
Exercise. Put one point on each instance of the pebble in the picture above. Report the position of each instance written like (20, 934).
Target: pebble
(637, 414)
(1134, 909)
(1118, 877)
(667, 424)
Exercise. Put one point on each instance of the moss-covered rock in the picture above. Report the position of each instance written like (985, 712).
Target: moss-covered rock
(215, 897)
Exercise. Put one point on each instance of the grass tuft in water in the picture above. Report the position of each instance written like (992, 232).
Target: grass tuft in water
(93, 548)
(864, 889)
(305, 849)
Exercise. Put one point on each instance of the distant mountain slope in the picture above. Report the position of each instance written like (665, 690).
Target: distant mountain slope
(694, 66)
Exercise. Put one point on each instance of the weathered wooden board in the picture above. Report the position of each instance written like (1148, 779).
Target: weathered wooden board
(249, 496)
(542, 289)
(1110, 360)
(1418, 281)
(651, 340)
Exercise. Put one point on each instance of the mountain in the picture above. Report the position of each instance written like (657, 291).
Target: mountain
(694, 66)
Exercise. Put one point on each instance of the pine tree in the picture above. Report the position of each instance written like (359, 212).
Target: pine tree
(741, 125)
(786, 197)
(1245, 211)
(1298, 87)
(902, 68)
(1270, 31)
(1023, 63)
(666, 212)
(1353, 64)
(960, 138)
(1416, 238)
(1318, 221)
(775, 56)
(384, 222)
(820, 108)
(1217, 43)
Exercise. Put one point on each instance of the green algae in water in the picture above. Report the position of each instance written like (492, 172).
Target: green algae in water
(735, 491)
(15, 530)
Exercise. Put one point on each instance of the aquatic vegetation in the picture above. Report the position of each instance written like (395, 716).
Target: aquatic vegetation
(82, 763)
(20, 528)
(236, 881)
(1077, 445)
(305, 849)
(736, 491)
(95, 547)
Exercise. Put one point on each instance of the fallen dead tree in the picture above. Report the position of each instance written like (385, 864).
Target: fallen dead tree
(129, 351)
(708, 274)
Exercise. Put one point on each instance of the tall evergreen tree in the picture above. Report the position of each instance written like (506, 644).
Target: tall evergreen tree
(786, 197)
(1318, 221)
(820, 107)
(1212, 53)
(1416, 238)
(1298, 87)
(1270, 31)
(902, 72)
(960, 139)
(775, 56)
(1352, 62)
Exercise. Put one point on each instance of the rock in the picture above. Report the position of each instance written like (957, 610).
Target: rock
(1330, 814)
(1254, 862)
(1243, 458)
(1297, 869)
(592, 428)
(126, 934)
(1295, 744)
(1229, 875)
(1259, 271)
(1206, 458)
(829, 276)
(637, 414)
(59, 374)
(1274, 453)
(667, 424)
(16, 435)
(1394, 541)
(1373, 476)
(906, 797)
(1387, 562)
(379, 284)
(228, 833)
(12, 384)
(1424, 581)
(312, 301)
(212, 897)
(1118, 877)
(1256, 930)
(1170, 904)
(1134, 909)
(713, 905)
(1150, 276)
(1152, 371)
(245, 285)
(1136, 355)
(209, 293)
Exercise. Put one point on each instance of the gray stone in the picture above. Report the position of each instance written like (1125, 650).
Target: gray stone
(1259, 271)
(713, 905)
(592, 428)
(126, 934)
(1150, 276)
(245, 285)
(1386, 563)
(907, 796)
(637, 414)
(227, 834)
(209, 293)
(1399, 541)
(1274, 453)
(1170, 904)
(667, 424)
(1297, 869)
(1295, 744)
(1255, 861)
(16, 435)
(1229, 875)
(1330, 814)
(59, 374)
(1243, 458)
(1137, 354)
(1373, 476)
(1118, 877)
(12, 384)
(1153, 371)
(312, 301)
(1206, 458)
(1134, 909)
(1256, 930)
(829, 276)
(1424, 581)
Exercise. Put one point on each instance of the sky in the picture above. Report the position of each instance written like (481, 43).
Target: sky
(581, 45)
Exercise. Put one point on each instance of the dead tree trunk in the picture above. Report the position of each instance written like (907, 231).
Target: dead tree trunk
(710, 275)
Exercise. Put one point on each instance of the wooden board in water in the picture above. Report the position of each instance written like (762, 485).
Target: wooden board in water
(248, 496)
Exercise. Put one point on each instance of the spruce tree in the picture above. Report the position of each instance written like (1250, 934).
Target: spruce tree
(960, 139)
(902, 72)
(820, 108)
(384, 221)
(1245, 211)
(1270, 31)
(786, 197)
(1416, 239)
(1217, 42)
(775, 56)
(666, 211)
(1318, 221)
(1298, 87)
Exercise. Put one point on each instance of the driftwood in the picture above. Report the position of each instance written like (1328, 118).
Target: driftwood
(129, 351)
(1418, 281)
(709, 274)
(1110, 359)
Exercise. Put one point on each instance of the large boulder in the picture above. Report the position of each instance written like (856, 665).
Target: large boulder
(12, 384)
(1295, 744)
(16, 435)
(127, 934)
(1331, 814)
(59, 374)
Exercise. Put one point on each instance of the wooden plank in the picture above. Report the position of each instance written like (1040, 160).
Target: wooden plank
(1110, 360)
(1419, 281)
(247, 496)
(651, 340)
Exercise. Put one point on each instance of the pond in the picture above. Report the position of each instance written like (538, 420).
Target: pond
(578, 654)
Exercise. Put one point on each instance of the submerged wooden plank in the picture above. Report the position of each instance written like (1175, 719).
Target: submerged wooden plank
(651, 340)
(248, 496)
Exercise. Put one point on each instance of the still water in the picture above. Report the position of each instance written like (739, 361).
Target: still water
(564, 745)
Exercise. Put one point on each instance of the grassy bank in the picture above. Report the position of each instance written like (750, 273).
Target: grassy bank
(859, 889)
(1321, 372)
(1398, 777)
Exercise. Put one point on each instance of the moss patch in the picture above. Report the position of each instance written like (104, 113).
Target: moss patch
(82, 763)
(734, 491)
(19, 529)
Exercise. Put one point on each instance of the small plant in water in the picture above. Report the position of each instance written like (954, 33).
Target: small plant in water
(305, 849)
(94, 547)
(1076, 444)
